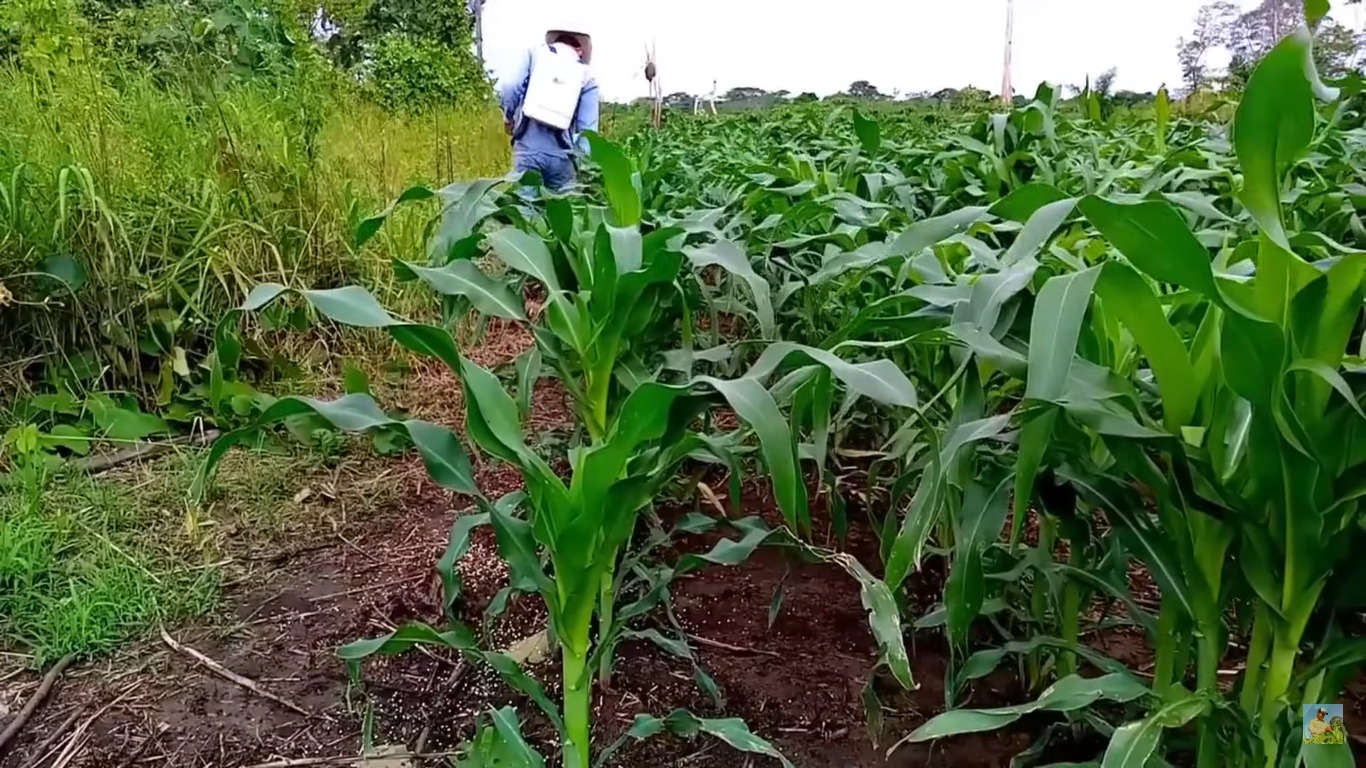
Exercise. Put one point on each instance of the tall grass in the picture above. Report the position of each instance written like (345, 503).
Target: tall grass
(162, 203)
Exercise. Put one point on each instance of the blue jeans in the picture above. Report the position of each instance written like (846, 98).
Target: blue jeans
(557, 170)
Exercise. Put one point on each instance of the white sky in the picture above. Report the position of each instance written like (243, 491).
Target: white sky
(911, 45)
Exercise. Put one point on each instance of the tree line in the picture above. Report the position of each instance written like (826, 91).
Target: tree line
(1246, 36)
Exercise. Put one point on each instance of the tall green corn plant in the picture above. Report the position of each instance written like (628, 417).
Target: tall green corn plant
(607, 286)
(1253, 469)
(1266, 469)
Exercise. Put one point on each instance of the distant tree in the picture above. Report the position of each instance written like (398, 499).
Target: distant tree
(1336, 49)
(1132, 98)
(945, 96)
(862, 89)
(743, 94)
(1254, 33)
(971, 98)
(1105, 82)
(679, 100)
(1212, 24)
(806, 97)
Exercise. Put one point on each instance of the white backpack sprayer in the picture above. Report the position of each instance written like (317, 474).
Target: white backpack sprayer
(558, 75)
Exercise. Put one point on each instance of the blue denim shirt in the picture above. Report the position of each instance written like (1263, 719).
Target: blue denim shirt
(532, 136)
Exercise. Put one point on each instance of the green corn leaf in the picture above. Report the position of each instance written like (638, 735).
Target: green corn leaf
(1259, 348)
(1154, 238)
(1328, 755)
(1130, 299)
(756, 406)
(1067, 695)
(983, 515)
(499, 429)
(517, 547)
(879, 380)
(681, 722)
(1038, 229)
(458, 638)
(928, 232)
(1133, 744)
(869, 133)
(464, 206)
(369, 227)
(1035, 434)
(731, 257)
(508, 727)
(990, 293)
(1162, 111)
(463, 277)
(863, 257)
(1196, 203)
(628, 248)
(884, 619)
(1022, 203)
(442, 454)
(528, 254)
(1058, 314)
(350, 306)
(984, 662)
(908, 546)
(499, 744)
(987, 348)
(457, 544)
(729, 551)
(1315, 10)
(1273, 125)
(528, 373)
(1332, 378)
(618, 180)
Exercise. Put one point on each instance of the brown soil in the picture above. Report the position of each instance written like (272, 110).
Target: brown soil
(798, 684)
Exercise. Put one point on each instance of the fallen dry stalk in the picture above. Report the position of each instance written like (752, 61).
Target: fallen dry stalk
(301, 762)
(49, 680)
(728, 647)
(231, 676)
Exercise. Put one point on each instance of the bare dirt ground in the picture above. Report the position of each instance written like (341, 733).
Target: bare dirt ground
(798, 684)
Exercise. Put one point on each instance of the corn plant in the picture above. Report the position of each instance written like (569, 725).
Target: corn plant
(612, 289)
(1221, 440)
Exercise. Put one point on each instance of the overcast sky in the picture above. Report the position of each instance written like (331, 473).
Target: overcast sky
(911, 45)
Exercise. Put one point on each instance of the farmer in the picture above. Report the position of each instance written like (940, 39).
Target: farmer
(549, 101)
(1317, 726)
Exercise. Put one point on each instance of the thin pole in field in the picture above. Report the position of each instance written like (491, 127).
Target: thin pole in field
(1007, 92)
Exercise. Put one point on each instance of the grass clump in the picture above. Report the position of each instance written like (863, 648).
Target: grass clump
(88, 564)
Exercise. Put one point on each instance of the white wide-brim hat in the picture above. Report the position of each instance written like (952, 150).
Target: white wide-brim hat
(585, 41)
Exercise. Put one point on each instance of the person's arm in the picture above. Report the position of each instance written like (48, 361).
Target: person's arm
(514, 89)
(586, 117)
